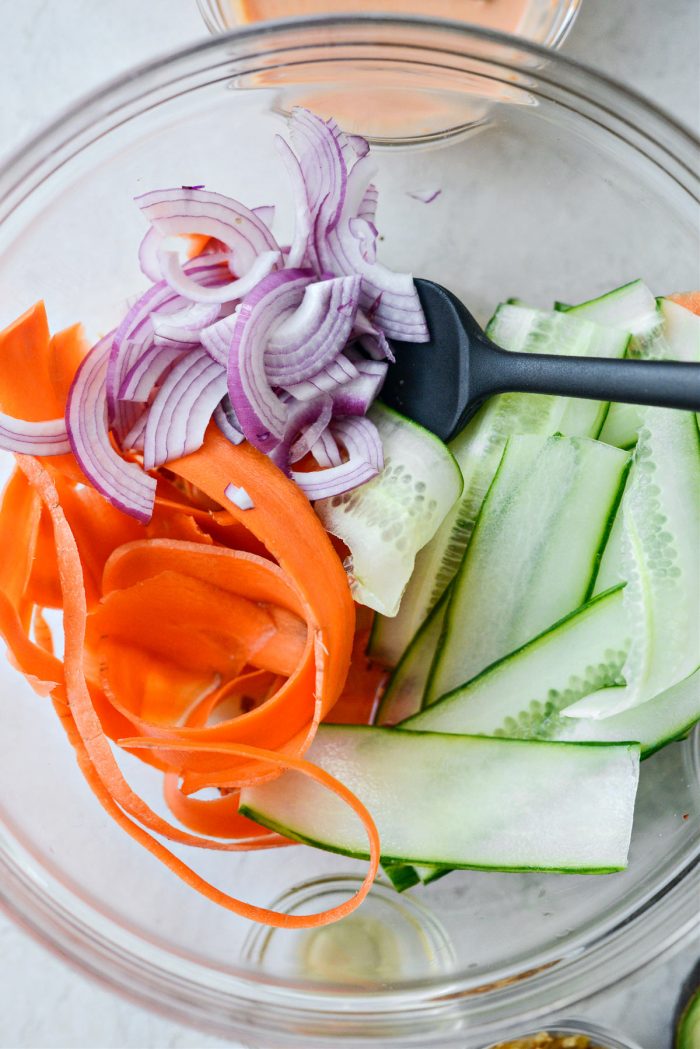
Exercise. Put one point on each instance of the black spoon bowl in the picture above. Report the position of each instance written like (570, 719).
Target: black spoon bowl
(441, 383)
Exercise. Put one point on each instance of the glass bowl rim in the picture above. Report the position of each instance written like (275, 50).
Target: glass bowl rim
(564, 15)
(88, 946)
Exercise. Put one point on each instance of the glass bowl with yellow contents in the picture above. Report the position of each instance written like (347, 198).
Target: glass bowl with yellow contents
(574, 1035)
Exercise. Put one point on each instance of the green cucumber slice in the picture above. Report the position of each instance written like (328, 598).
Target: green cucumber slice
(687, 1028)
(521, 695)
(631, 306)
(666, 718)
(634, 308)
(660, 559)
(386, 521)
(478, 451)
(401, 875)
(534, 552)
(675, 337)
(461, 801)
(404, 693)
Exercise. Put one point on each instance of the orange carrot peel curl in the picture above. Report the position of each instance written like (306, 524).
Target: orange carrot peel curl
(176, 747)
(209, 642)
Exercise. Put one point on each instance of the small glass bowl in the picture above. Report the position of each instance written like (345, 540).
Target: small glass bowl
(566, 186)
(600, 1038)
(545, 22)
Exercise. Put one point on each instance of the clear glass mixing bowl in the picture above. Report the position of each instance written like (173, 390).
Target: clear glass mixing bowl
(555, 183)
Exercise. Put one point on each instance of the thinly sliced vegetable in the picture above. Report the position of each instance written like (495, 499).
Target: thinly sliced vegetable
(667, 717)
(311, 337)
(687, 1018)
(261, 413)
(334, 193)
(387, 521)
(633, 307)
(182, 408)
(136, 333)
(186, 324)
(532, 805)
(327, 380)
(302, 214)
(365, 460)
(227, 421)
(239, 496)
(124, 484)
(173, 212)
(147, 372)
(660, 560)
(30, 438)
(217, 338)
(690, 300)
(522, 695)
(534, 552)
(404, 693)
(286, 524)
(80, 720)
(478, 451)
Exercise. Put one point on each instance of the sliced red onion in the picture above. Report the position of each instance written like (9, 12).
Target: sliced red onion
(178, 280)
(361, 438)
(364, 365)
(319, 145)
(266, 214)
(366, 232)
(425, 196)
(186, 324)
(315, 334)
(327, 380)
(303, 417)
(181, 211)
(124, 484)
(326, 451)
(33, 438)
(364, 448)
(371, 338)
(216, 339)
(353, 147)
(359, 144)
(173, 212)
(239, 497)
(261, 413)
(147, 372)
(359, 181)
(135, 333)
(368, 205)
(313, 431)
(334, 197)
(302, 215)
(225, 419)
(161, 343)
(148, 255)
(356, 396)
(136, 435)
(397, 308)
(149, 260)
(182, 408)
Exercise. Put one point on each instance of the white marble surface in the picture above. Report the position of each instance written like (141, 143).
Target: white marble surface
(51, 51)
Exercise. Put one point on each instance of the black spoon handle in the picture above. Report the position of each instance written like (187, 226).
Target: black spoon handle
(667, 384)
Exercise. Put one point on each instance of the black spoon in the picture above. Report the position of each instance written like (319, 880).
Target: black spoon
(441, 383)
